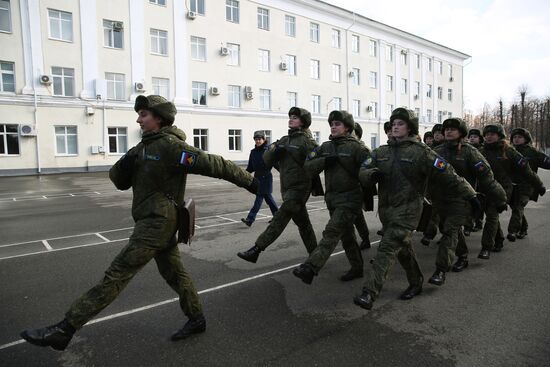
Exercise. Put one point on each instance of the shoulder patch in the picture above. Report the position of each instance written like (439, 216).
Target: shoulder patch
(480, 166)
(312, 154)
(367, 162)
(188, 159)
(522, 162)
(440, 164)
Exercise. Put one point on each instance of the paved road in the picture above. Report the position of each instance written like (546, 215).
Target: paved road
(60, 232)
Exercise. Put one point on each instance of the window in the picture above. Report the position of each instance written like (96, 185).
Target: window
(265, 99)
(439, 92)
(113, 34)
(115, 86)
(416, 89)
(234, 140)
(336, 42)
(356, 77)
(263, 60)
(159, 42)
(118, 140)
(389, 53)
(450, 72)
(417, 112)
(197, 6)
(161, 87)
(198, 48)
(291, 64)
(292, 98)
(63, 81)
(373, 79)
(263, 19)
(314, 72)
(232, 11)
(317, 136)
(373, 48)
(336, 103)
(9, 139)
(315, 103)
(389, 109)
(373, 140)
(234, 57)
(429, 90)
(234, 96)
(450, 94)
(429, 64)
(450, 114)
(7, 80)
(61, 25)
(403, 57)
(429, 115)
(417, 60)
(66, 140)
(354, 43)
(158, 2)
(356, 107)
(439, 117)
(290, 26)
(374, 109)
(336, 73)
(314, 32)
(267, 134)
(198, 93)
(389, 83)
(404, 86)
(5, 16)
(440, 67)
(200, 139)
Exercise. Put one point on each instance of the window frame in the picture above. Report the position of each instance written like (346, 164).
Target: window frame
(264, 60)
(7, 72)
(114, 83)
(356, 78)
(316, 103)
(64, 79)
(389, 83)
(232, 11)
(373, 48)
(4, 134)
(195, 6)
(157, 87)
(314, 32)
(117, 135)
(234, 138)
(200, 138)
(65, 140)
(234, 94)
(234, 49)
(262, 15)
(290, 97)
(7, 9)
(336, 73)
(356, 107)
(265, 99)
(315, 69)
(291, 64)
(404, 86)
(196, 47)
(159, 37)
(157, 2)
(336, 38)
(290, 25)
(196, 88)
(373, 79)
(111, 34)
(355, 43)
(60, 25)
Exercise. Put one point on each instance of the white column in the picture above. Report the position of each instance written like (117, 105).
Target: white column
(137, 44)
(434, 93)
(411, 79)
(181, 56)
(88, 31)
(397, 73)
(422, 87)
(381, 75)
(32, 46)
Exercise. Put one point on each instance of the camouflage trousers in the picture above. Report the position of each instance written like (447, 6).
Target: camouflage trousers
(450, 226)
(289, 209)
(152, 239)
(431, 228)
(361, 225)
(339, 226)
(518, 222)
(492, 232)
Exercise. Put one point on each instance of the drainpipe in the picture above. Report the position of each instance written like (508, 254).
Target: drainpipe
(347, 64)
(39, 168)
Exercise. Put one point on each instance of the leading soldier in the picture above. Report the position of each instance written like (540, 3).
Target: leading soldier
(156, 169)
(402, 169)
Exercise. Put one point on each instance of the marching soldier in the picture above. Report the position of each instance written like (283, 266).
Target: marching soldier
(439, 138)
(289, 153)
(428, 138)
(156, 170)
(402, 169)
(360, 222)
(476, 140)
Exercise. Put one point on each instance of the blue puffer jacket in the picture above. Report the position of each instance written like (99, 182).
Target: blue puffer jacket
(257, 165)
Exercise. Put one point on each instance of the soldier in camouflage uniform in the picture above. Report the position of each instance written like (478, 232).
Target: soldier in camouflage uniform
(521, 139)
(360, 222)
(340, 158)
(156, 170)
(290, 153)
(428, 138)
(476, 140)
(402, 169)
(437, 132)
(454, 212)
(508, 165)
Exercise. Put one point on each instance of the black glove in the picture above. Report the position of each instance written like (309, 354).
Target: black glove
(331, 160)
(279, 151)
(127, 161)
(502, 208)
(253, 187)
(542, 191)
(476, 206)
(377, 176)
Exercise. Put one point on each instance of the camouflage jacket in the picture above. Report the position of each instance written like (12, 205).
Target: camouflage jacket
(536, 159)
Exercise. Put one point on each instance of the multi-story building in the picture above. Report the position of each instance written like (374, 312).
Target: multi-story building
(71, 69)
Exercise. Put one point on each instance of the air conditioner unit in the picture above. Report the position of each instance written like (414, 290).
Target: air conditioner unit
(369, 108)
(214, 91)
(248, 89)
(283, 65)
(118, 26)
(97, 149)
(224, 51)
(416, 96)
(139, 86)
(89, 110)
(351, 74)
(403, 52)
(451, 79)
(191, 15)
(27, 130)
(45, 79)
(249, 95)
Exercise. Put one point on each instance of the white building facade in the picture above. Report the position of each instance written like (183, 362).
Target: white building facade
(71, 69)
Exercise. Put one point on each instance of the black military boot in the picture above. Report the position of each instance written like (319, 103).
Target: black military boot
(365, 244)
(498, 246)
(195, 325)
(246, 221)
(521, 235)
(352, 274)
(380, 232)
(478, 226)
(411, 292)
(438, 278)
(56, 336)
(250, 255)
(511, 237)
(364, 300)
(484, 254)
(304, 272)
(460, 264)
(426, 240)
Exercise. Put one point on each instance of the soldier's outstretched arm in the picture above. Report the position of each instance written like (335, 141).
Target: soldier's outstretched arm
(122, 171)
(523, 165)
(272, 155)
(543, 161)
(315, 162)
(369, 174)
(486, 182)
(442, 173)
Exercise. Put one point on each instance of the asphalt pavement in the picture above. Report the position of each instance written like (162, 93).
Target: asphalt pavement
(58, 233)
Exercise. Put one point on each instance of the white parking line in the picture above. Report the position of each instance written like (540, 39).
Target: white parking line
(47, 245)
(171, 300)
(102, 237)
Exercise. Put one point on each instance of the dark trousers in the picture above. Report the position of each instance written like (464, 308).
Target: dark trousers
(258, 204)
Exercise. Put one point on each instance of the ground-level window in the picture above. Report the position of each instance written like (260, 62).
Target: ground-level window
(200, 139)
(66, 140)
(118, 139)
(9, 139)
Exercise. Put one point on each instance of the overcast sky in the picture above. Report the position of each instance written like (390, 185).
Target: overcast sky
(509, 40)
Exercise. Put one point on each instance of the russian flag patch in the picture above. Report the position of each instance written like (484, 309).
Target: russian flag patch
(440, 164)
(188, 159)
(480, 166)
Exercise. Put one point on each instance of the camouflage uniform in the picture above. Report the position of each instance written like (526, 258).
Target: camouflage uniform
(156, 170)
(402, 169)
(508, 165)
(340, 159)
(360, 222)
(518, 223)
